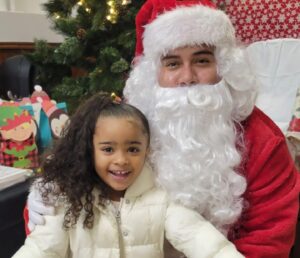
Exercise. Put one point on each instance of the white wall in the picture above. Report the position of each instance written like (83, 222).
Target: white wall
(4, 5)
(24, 21)
(28, 6)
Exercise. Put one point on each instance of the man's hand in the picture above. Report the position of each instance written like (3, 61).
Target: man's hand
(37, 208)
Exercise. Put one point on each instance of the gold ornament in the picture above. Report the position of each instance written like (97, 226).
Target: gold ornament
(81, 33)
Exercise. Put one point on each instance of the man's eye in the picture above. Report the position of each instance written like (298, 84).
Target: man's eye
(202, 61)
(172, 64)
(133, 149)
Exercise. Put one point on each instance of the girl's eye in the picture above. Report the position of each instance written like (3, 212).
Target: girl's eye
(107, 149)
(133, 149)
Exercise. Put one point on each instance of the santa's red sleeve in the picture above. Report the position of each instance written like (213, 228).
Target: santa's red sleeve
(26, 219)
(267, 227)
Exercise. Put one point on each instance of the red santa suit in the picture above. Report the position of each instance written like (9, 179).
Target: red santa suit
(267, 226)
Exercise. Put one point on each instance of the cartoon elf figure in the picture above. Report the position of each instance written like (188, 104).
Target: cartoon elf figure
(17, 138)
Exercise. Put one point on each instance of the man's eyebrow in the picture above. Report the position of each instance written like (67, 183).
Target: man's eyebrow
(203, 52)
(166, 57)
(200, 52)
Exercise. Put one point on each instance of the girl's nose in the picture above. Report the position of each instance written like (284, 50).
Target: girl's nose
(121, 159)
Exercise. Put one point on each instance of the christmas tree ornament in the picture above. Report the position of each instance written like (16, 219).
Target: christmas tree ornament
(81, 34)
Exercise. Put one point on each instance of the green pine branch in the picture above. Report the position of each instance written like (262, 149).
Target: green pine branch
(102, 50)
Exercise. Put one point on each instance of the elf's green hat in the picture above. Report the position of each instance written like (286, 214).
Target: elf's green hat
(12, 116)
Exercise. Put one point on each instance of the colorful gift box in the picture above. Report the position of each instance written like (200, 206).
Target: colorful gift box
(17, 137)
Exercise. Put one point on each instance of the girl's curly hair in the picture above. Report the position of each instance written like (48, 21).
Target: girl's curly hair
(70, 165)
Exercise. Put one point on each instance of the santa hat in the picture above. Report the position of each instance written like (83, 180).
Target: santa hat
(39, 95)
(49, 107)
(163, 25)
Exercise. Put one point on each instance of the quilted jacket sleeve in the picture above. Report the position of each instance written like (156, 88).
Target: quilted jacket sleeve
(191, 234)
(47, 241)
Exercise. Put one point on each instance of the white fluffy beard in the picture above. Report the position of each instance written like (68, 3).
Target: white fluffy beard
(194, 150)
(193, 143)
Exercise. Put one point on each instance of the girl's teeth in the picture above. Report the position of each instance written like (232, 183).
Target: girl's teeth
(120, 172)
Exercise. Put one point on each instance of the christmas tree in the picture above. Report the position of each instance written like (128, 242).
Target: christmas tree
(98, 47)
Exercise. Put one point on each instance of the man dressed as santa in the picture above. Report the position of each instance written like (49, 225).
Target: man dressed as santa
(212, 149)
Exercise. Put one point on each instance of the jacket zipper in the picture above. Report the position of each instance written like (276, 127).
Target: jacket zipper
(118, 220)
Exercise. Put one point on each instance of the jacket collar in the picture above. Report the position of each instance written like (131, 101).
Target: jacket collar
(143, 183)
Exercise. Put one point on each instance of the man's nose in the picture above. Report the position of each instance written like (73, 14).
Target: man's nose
(187, 76)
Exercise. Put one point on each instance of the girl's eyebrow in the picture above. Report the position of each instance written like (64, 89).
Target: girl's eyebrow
(134, 142)
(106, 143)
(113, 143)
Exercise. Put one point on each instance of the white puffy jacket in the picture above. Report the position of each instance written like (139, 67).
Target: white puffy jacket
(146, 215)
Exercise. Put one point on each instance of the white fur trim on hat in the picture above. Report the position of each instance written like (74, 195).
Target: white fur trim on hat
(186, 26)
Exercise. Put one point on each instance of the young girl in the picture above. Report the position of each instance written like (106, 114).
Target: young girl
(107, 204)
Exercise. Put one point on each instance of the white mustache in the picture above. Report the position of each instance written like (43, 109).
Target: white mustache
(206, 97)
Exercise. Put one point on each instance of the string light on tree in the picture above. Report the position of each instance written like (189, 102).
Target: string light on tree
(114, 6)
(126, 2)
(113, 13)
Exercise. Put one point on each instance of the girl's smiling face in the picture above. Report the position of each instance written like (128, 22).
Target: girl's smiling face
(120, 149)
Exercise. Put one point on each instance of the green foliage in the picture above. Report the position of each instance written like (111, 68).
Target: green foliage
(119, 66)
(103, 49)
(48, 72)
(68, 52)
